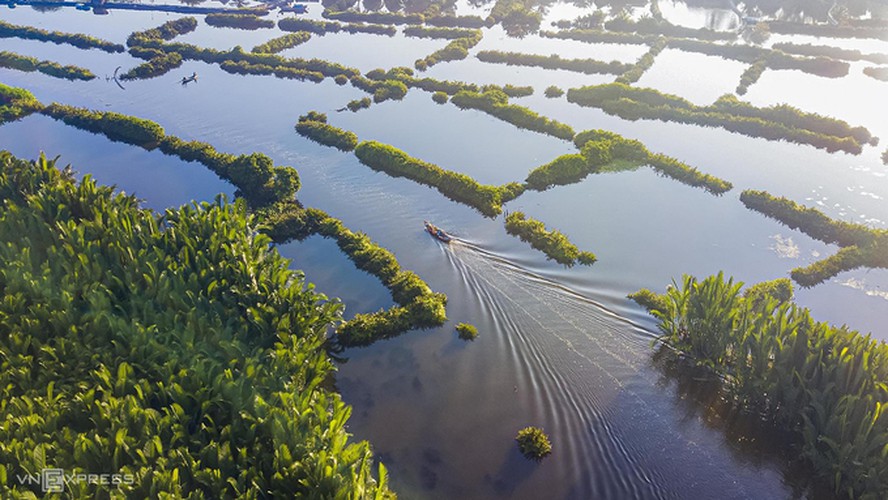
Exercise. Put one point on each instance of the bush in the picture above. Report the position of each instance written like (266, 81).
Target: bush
(328, 135)
(587, 66)
(16, 103)
(496, 103)
(644, 63)
(150, 325)
(374, 17)
(76, 39)
(340, 79)
(774, 123)
(448, 20)
(467, 331)
(239, 21)
(446, 33)
(454, 51)
(599, 36)
(440, 97)
(552, 92)
(533, 443)
(166, 31)
(830, 52)
(358, 104)
(129, 129)
(751, 75)
(298, 24)
(281, 43)
(649, 300)
(554, 244)
(652, 26)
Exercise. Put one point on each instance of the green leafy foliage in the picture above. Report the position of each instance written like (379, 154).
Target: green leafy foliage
(552, 92)
(284, 42)
(25, 63)
(76, 39)
(653, 26)
(374, 17)
(440, 32)
(829, 51)
(323, 27)
(466, 331)
(177, 349)
(822, 385)
(774, 122)
(517, 17)
(156, 66)
(16, 103)
(440, 97)
(358, 104)
(862, 245)
(314, 126)
(166, 31)
(826, 30)
(589, 35)
(115, 126)
(239, 21)
(456, 186)
(449, 20)
(456, 50)
(751, 75)
(554, 244)
(554, 61)
(533, 443)
(496, 102)
(644, 63)
(651, 301)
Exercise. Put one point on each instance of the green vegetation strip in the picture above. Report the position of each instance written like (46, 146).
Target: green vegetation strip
(554, 61)
(458, 187)
(496, 103)
(773, 123)
(374, 17)
(76, 39)
(15, 61)
(600, 36)
(165, 32)
(603, 151)
(518, 17)
(16, 103)
(652, 26)
(440, 32)
(314, 126)
(831, 52)
(751, 75)
(159, 64)
(239, 21)
(553, 243)
(823, 30)
(862, 246)
(323, 27)
(775, 59)
(644, 63)
(280, 43)
(823, 386)
(454, 51)
(177, 350)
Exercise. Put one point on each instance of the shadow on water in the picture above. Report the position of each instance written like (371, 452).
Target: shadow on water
(516, 469)
(699, 395)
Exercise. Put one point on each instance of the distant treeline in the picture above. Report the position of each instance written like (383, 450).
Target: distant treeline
(651, 26)
(774, 123)
(823, 387)
(496, 102)
(827, 51)
(239, 21)
(323, 27)
(877, 73)
(553, 243)
(862, 246)
(314, 126)
(456, 50)
(12, 60)
(458, 187)
(554, 61)
(602, 151)
(76, 39)
(281, 43)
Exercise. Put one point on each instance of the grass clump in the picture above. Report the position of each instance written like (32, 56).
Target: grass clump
(533, 443)
(552, 92)
(467, 331)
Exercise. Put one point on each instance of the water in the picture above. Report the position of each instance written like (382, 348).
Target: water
(559, 348)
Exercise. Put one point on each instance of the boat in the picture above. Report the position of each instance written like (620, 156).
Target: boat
(187, 80)
(437, 232)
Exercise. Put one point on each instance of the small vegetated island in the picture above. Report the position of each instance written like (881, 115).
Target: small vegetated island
(821, 385)
(189, 324)
(534, 443)
(12, 60)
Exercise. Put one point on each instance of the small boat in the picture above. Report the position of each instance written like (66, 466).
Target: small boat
(437, 232)
(187, 80)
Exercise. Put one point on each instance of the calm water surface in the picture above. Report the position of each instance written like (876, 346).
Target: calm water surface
(560, 348)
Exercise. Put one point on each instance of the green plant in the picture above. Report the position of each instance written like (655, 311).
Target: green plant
(552, 92)
(284, 42)
(455, 50)
(76, 39)
(314, 126)
(533, 443)
(554, 244)
(239, 21)
(496, 103)
(358, 104)
(440, 97)
(25, 63)
(554, 61)
(466, 331)
(166, 31)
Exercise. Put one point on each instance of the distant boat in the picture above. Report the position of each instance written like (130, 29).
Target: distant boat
(189, 79)
(437, 232)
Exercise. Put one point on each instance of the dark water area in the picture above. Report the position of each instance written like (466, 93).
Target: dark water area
(561, 348)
